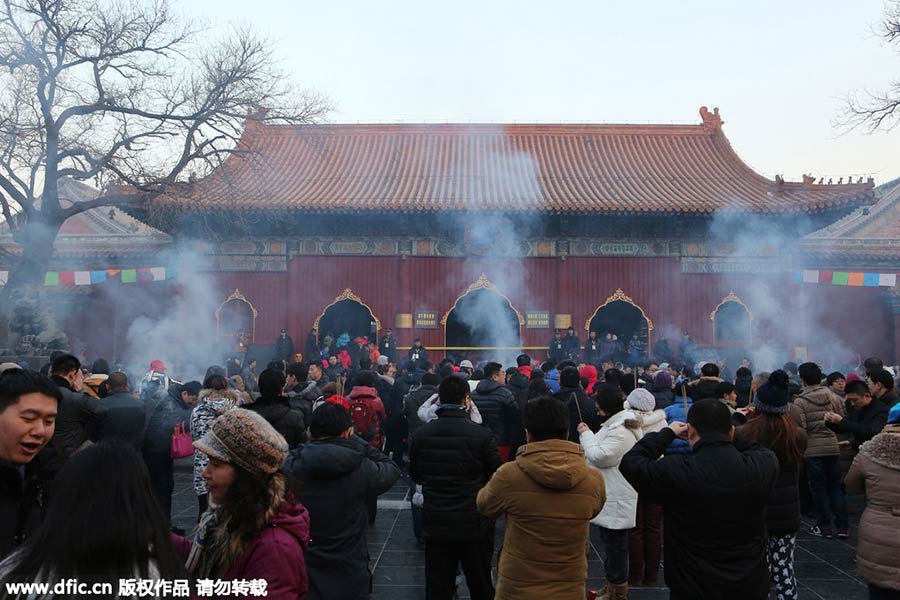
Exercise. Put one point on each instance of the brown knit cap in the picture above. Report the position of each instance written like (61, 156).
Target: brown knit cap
(242, 437)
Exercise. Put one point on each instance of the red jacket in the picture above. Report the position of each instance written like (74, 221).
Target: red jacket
(589, 372)
(369, 395)
(276, 554)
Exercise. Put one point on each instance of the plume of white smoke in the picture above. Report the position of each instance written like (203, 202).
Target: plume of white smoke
(183, 333)
(502, 240)
(778, 331)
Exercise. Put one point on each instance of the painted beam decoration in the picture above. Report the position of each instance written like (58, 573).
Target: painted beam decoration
(845, 278)
(78, 278)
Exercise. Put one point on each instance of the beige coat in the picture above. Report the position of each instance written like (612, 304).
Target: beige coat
(549, 494)
(810, 408)
(876, 471)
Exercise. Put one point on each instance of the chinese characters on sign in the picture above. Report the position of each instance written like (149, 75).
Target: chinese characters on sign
(426, 319)
(537, 319)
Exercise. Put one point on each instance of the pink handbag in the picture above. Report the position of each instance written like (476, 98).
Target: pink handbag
(182, 445)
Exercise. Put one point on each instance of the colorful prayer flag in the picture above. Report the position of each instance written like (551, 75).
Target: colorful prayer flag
(67, 278)
(798, 277)
(810, 276)
(855, 279)
(113, 272)
(143, 274)
(51, 278)
(82, 278)
(159, 273)
(4, 277)
(887, 279)
(825, 276)
(98, 276)
(870, 279)
(840, 278)
(129, 275)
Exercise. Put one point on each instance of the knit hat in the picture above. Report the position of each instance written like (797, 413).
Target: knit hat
(641, 400)
(772, 396)
(466, 364)
(245, 439)
(157, 365)
(851, 377)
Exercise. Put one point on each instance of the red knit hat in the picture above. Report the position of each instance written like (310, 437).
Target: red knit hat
(157, 365)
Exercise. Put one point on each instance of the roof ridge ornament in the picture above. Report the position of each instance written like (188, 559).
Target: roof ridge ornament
(711, 120)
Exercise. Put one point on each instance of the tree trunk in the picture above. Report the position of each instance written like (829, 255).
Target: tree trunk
(26, 277)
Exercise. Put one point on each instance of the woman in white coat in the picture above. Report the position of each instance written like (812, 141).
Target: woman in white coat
(604, 451)
(645, 540)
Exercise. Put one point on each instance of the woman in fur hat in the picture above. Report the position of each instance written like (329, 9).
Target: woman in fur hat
(772, 426)
(876, 472)
(255, 529)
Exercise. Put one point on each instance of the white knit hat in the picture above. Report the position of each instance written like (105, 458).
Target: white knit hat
(641, 400)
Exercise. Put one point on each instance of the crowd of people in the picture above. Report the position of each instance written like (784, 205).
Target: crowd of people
(708, 472)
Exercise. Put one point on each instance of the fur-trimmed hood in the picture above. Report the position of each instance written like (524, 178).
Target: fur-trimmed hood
(647, 422)
(221, 396)
(884, 448)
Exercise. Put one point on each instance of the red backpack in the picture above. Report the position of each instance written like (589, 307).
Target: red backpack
(364, 418)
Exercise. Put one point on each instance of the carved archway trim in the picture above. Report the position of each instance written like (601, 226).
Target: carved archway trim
(237, 296)
(732, 297)
(483, 283)
(620, 296)
(347, 294)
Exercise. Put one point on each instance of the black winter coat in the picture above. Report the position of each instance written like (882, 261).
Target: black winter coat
(703, 388)
(743, 385)
(452, 458)
(125, 419)
(518, 385)
(21, 505)
(714, 502)
(863, 424)
(337, 476)
(499, 411)
(783, 509)
(76, 422)
(588, 412)
(164, 412)
(286, 420)
(284, 348)
(388, 347)
(664, 397)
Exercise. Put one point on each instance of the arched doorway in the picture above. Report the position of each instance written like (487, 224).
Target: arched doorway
(235, 316)
(622, 318)
(347, 314)
(732, 321)
(484, 323)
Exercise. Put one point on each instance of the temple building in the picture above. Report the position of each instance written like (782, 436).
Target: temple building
(492, 235)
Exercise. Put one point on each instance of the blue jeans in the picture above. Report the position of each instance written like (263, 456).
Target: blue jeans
(824, 474)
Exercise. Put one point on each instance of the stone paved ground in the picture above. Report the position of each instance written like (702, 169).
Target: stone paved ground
(825, 568)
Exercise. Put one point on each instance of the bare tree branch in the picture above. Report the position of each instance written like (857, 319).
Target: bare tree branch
(877, 110)
(125, 93)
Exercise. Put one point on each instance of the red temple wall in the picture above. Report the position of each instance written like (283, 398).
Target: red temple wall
(859, 318)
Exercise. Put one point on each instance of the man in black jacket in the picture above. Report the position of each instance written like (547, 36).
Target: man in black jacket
(453, 458)
(388, 345)
(864, 422)
(275, 409)
(714, 502)
(581, 410)
(881, 386)
(572, 345)
(28, 407)
(337, 472)
(78, 418)
(499, 409)
(166, 410)
(556, 350)
(125, 414)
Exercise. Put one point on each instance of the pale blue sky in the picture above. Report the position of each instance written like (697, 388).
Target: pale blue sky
(777, 70)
